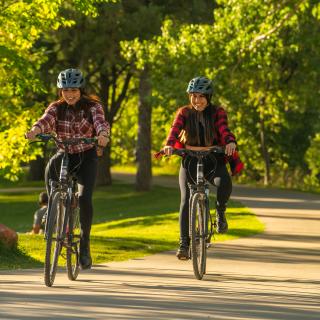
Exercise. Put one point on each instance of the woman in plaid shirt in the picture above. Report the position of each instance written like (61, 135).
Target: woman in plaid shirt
(75, 115)
(198, 126)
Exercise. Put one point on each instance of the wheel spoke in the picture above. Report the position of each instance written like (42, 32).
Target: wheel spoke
(53, 236)
(73, 244)
(198, 237)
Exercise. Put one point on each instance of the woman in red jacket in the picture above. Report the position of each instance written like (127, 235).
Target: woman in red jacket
(198, 126)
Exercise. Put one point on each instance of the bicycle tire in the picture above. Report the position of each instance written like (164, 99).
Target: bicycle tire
(198, 235)
(209, 225)
(53, 242)
(73, 243)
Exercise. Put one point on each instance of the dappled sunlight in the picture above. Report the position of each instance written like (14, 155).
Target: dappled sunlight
(149, 292)
(126, 223)
(119, 248)
(139, 222)
(18, 258)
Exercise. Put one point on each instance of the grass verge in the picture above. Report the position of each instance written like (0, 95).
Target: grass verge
(164, 170)
(127, 224)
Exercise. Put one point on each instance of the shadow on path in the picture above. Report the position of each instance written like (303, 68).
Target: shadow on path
(147, 293)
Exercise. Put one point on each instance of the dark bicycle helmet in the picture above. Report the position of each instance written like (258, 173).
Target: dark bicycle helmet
(200, 84)
(70, 78)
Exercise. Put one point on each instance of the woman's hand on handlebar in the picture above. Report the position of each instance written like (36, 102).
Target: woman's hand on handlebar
(31, 135)
(103, 140)
(230, 148)
(168, 150)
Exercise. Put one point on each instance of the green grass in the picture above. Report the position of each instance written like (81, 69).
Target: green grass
(17, 258)
(17, 184)
(164, 170)
(127, 224)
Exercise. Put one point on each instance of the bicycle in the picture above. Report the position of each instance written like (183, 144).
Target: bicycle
(201, 226)
(62, 227)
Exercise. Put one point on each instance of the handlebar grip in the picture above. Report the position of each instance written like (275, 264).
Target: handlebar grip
(89, 140)
(44, 136)
(161, 153)
(179, 152)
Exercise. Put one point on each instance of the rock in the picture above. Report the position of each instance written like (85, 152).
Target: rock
(8, 237)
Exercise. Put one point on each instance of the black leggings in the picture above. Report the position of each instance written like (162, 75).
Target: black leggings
(85, 166)
(218, 177)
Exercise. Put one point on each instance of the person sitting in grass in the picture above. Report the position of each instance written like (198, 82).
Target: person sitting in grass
(38, 218)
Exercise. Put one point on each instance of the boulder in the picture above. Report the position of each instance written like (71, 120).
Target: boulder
(8, 237)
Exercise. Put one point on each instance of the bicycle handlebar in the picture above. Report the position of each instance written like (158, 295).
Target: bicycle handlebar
(67, 142)
(194, 153)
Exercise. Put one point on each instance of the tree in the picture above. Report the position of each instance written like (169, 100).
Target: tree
(259, 54)
(275, 50)
(107, 72)
(143, 153)
(22, 23)
(186, 11)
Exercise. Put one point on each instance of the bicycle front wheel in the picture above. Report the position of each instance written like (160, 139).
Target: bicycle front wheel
(53, 242)
(198, 235)
(73, 236)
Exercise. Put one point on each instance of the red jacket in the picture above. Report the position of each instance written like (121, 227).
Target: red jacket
(222, 135)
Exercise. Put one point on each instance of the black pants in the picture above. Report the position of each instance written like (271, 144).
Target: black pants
(85, 166)
(215, 172)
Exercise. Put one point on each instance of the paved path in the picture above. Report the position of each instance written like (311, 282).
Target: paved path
(275, 275)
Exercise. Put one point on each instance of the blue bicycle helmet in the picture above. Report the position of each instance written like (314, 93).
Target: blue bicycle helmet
(70, 78)
(200, 84)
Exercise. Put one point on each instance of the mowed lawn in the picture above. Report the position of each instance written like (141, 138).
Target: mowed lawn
(127, 224)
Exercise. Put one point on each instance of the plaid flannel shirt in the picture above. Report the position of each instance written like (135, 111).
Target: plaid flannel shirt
(222, 135)
(74, 126)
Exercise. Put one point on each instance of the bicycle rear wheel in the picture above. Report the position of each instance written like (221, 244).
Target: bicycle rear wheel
(53, 241)
(73, 236)
(198, 235)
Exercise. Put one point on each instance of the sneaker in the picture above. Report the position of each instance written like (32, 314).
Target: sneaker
(222, 224)
(85, 260)
(183, 251)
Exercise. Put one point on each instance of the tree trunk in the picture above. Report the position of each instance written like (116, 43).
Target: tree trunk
(143, 153)
(285, 175)
(112, 102)
(37, 166)
(104, 162)
(265, 152)
(104, 168)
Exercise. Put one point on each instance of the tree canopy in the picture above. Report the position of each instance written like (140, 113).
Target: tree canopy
(22, 23)
(262, 55)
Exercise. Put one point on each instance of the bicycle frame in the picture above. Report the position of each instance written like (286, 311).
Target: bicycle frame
(200, 221)
(60, 223)
(67, 187)
(66, 184)
(201, 187)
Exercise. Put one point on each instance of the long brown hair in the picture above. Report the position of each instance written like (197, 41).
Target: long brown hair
(85, 102)
(191, 134)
